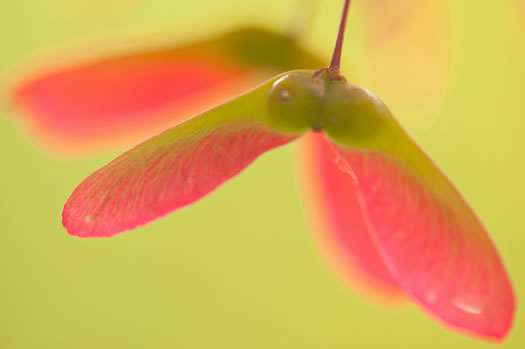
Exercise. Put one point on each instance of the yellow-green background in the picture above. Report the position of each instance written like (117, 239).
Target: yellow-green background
(239, 269)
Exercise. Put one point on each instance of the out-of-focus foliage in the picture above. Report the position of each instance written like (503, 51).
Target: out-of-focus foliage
(411, 41)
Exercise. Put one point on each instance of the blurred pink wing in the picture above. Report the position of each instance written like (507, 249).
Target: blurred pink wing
(435, 247)
(125, 98)
(334, 206)
(117, 100)
(172, 169)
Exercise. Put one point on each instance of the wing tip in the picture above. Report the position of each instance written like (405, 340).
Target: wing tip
(495, 334)
(86, 227)
(493, 325)
(503, 327)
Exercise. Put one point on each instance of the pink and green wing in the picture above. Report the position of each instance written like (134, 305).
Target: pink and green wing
(174, 168)
(435, 247)
(125, 98)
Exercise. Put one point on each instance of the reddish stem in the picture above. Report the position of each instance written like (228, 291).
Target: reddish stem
(335, 63)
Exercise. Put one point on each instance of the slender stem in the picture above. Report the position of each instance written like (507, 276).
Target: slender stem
(335, 63)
